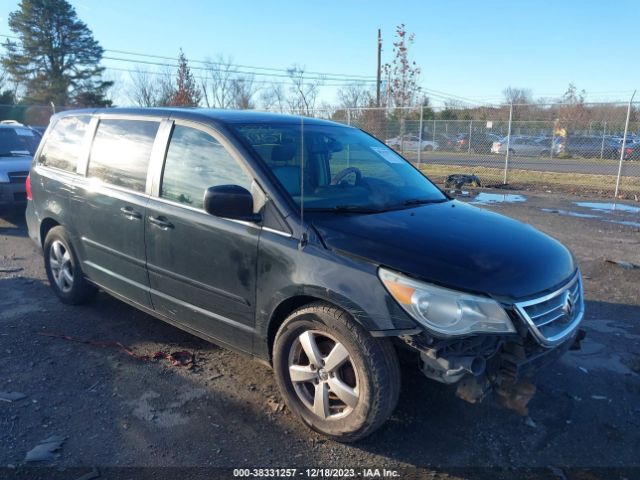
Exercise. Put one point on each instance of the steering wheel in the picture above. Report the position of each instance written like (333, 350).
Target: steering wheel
(347, 171)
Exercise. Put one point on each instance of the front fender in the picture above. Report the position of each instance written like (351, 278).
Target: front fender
(286, 272)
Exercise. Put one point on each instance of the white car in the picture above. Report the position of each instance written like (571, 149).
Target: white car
(411, 143)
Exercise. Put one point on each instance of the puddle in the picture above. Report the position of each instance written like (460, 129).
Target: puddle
(605, 212)
(484, 198)
(571, 214)
(608, 207)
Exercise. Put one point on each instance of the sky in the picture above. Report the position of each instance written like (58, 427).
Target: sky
(471, 49)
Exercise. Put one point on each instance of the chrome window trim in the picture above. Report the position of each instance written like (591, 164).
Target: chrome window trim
(202, 212)
(277, 232)
(554, 340)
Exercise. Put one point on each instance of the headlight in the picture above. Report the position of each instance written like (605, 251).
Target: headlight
(445, 311)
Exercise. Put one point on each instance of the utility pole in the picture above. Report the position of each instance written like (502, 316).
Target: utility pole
(379, 68)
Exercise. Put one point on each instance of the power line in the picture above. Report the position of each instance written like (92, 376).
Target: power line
(232, 67)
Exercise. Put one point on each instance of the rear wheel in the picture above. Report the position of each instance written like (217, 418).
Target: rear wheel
(63, 268)
(333, 375)
(428, 148)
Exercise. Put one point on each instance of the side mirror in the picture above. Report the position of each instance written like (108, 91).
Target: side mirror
(230, 201)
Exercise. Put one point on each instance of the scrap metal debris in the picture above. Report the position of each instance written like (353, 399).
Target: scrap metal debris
(46, 449)
(516, 396)
(181, 358)
(623, 264)
(458, 180)
(11, 396)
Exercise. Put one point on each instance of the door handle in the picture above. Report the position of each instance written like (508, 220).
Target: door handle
(130, 213)
(161, 222)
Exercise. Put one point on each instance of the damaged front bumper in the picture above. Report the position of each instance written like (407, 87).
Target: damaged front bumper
(481, 364)
(546, 327)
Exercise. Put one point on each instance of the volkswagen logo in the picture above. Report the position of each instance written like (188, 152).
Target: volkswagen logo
(567, 304)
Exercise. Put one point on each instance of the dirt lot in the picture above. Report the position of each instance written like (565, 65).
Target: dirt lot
(116, 410)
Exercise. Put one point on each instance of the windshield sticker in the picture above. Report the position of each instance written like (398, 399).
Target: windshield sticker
(388, 154)
(24, 132)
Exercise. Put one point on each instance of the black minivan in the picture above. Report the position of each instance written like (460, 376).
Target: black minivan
(306, 244)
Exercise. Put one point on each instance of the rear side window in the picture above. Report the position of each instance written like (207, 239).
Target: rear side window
(64, 143)
(196, 161)
(121, 151)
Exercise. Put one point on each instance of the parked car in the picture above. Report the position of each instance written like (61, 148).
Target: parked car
(586, 146)
(312, 247)
(631, 151)
(480, 142)
(411, 143)
(17, 146)
(445, 142)
(523, 145)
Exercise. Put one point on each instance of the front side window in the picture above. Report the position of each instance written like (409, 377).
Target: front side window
(121, 151)
(343, 167)
(64, 143)
(196, 161)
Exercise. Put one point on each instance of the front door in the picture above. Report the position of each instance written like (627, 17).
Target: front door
(201, 268)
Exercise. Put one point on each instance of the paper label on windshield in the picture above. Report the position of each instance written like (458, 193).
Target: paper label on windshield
(24, 132)
(388, 154)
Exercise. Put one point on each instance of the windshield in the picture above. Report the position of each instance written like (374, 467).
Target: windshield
(344, 168)
(18, 142)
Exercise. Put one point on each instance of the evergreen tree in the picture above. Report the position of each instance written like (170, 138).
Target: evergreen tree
(55, 59)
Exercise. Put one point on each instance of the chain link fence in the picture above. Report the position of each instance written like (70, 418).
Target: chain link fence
(577, 148)
(574, 148)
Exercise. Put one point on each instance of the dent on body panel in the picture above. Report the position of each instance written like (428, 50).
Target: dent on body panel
(286, 271)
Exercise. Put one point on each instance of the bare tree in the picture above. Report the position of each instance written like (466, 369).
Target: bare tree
(151, 89)
(517, 95)
(242, 92)
(520, 98)
(274, 98)
(143, 91)
(218, 82)
(354, 95)
(304, 92)
(572, 112)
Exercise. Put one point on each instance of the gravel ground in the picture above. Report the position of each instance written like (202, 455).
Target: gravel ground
(116, 410)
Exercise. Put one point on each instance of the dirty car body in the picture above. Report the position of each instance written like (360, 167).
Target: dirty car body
(280, 237)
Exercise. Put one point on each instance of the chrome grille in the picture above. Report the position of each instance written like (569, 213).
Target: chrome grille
(17, 177)
(554, 317)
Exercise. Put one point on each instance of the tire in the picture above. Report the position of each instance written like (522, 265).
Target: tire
(63, 269)
(428, 148)
(369, 370)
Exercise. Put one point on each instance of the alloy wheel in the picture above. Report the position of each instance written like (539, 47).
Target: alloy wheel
(61, 267)
(323, 375)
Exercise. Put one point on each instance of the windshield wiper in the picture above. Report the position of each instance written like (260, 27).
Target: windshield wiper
(423, 201)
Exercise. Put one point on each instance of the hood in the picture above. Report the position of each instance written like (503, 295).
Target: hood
(455, 245)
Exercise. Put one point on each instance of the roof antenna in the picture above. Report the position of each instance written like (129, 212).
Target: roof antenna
(303, 237)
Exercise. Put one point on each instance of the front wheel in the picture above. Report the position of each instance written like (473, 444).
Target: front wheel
(333, 375)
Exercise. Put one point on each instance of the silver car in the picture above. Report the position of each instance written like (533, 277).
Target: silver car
(17, 146)
(523, 145)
